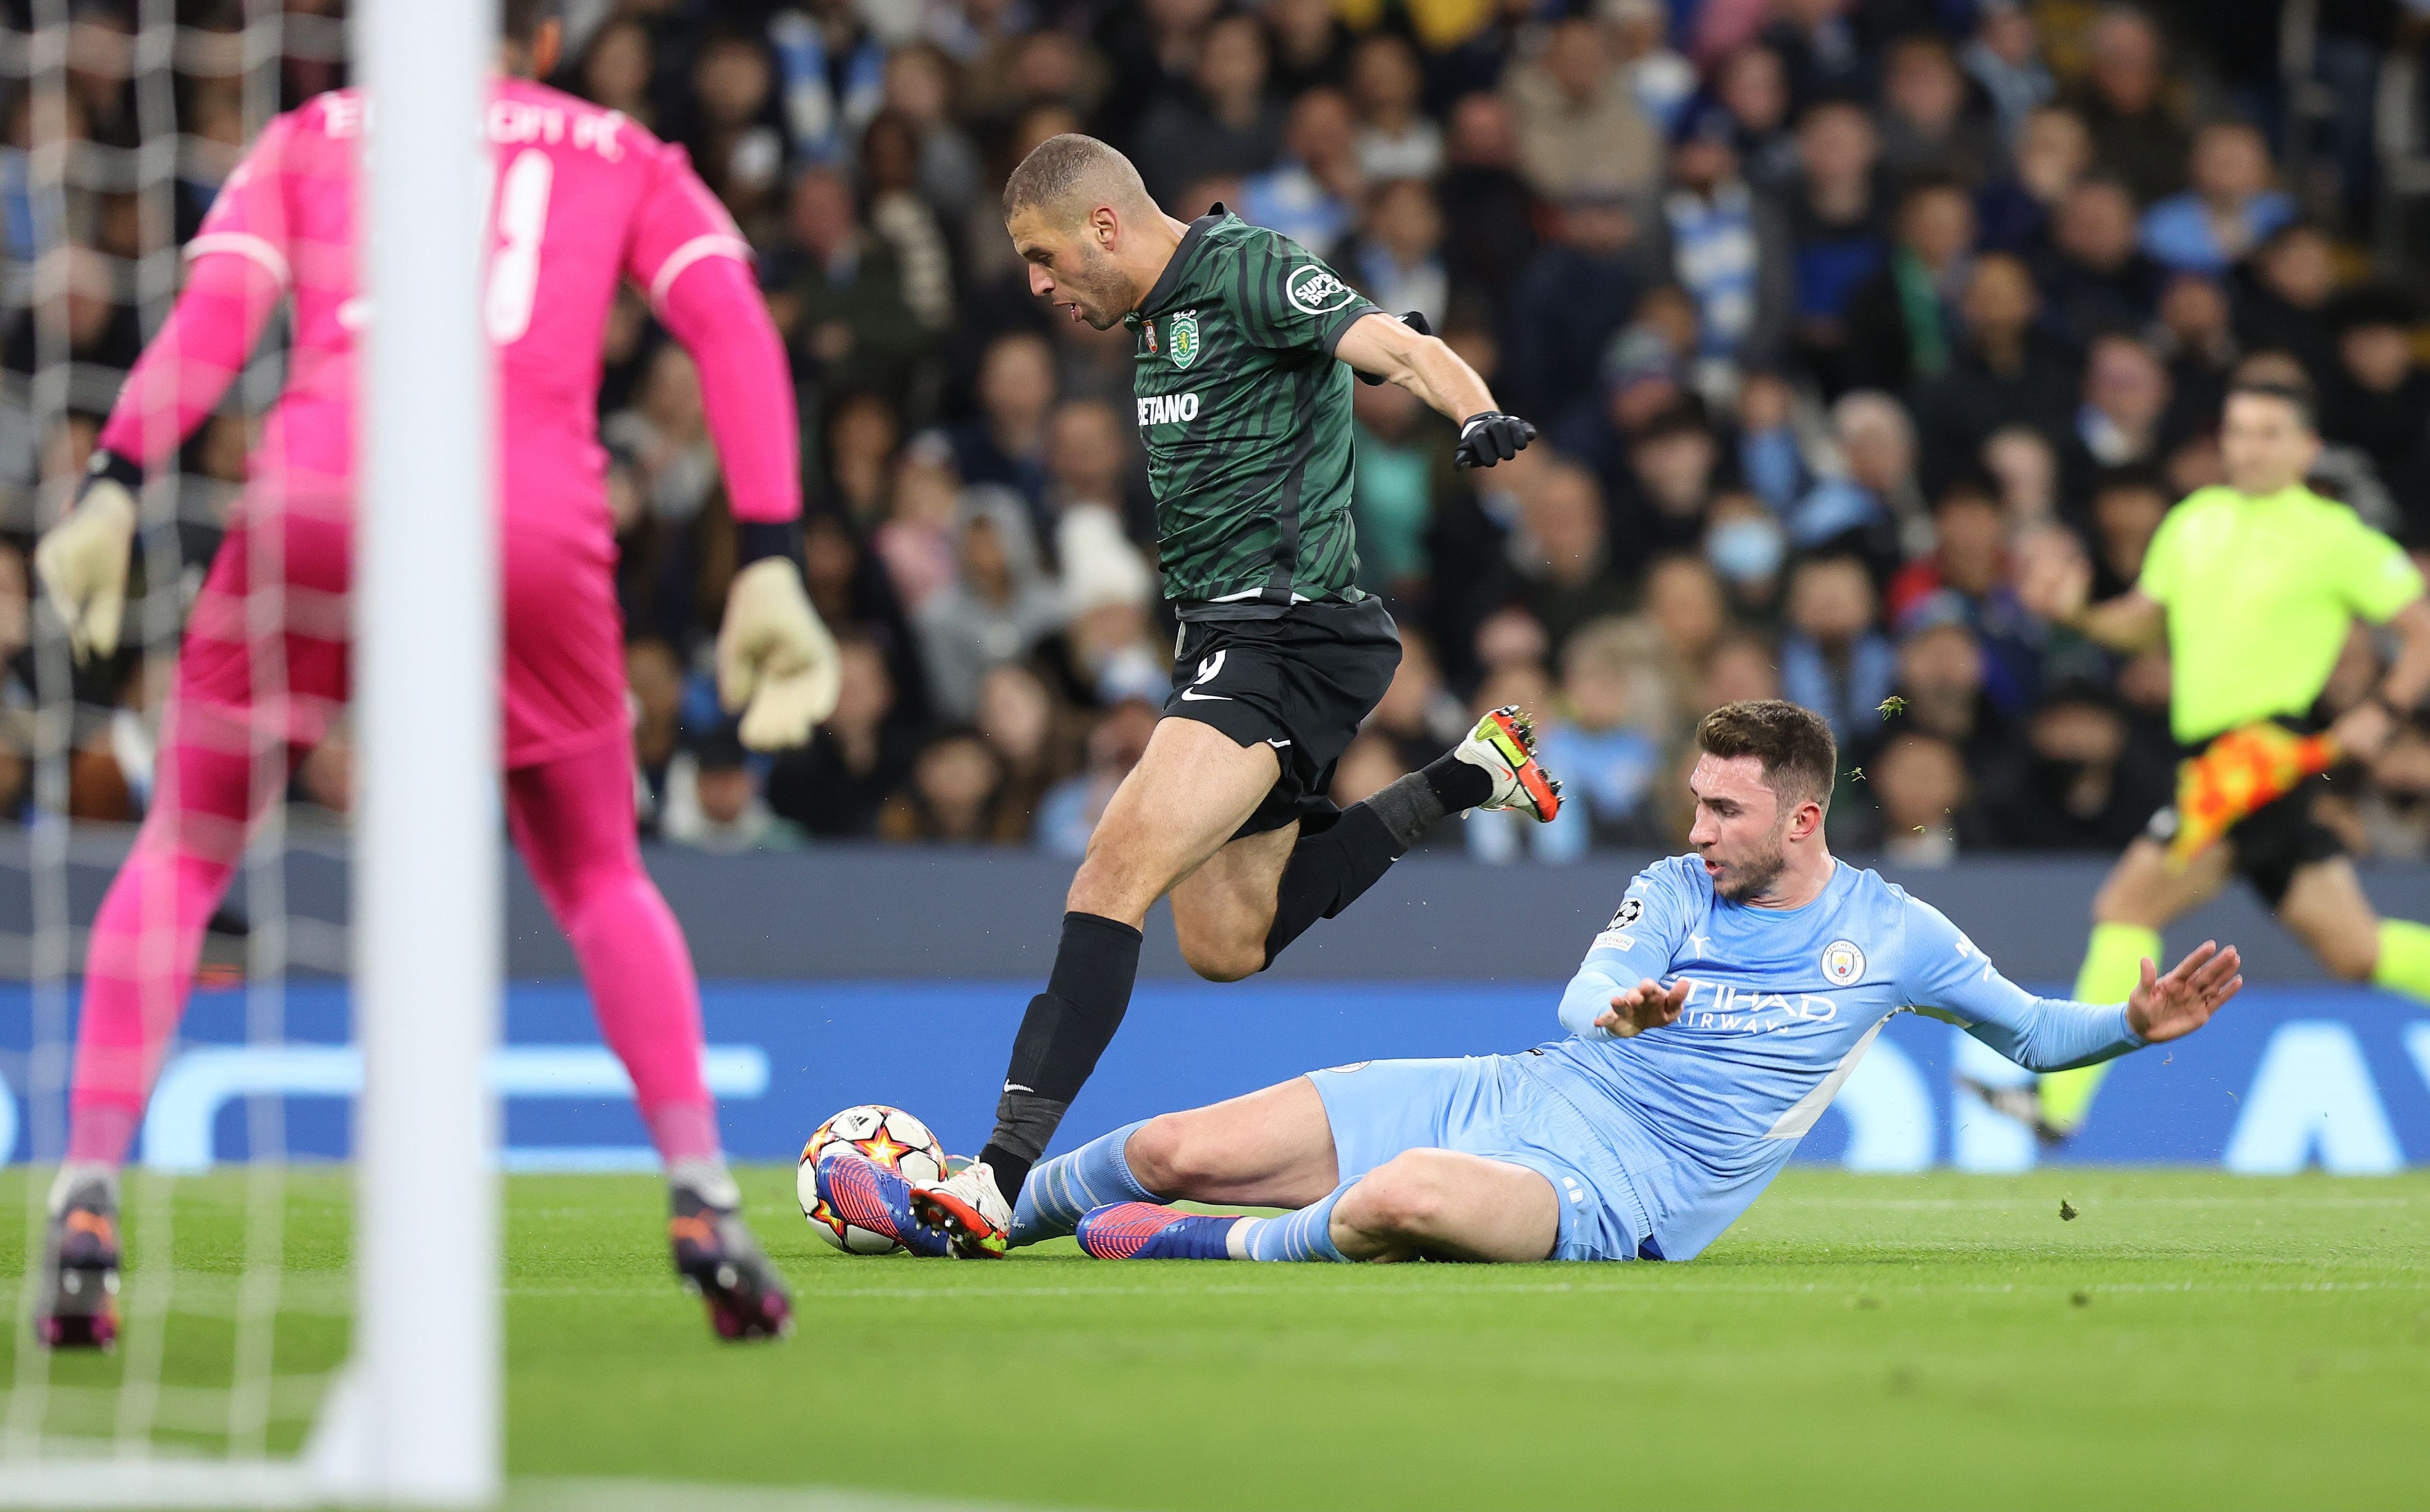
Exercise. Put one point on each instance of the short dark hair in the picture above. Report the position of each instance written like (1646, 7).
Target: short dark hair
(2289, 389)
(1062, 168)
(1800, 759)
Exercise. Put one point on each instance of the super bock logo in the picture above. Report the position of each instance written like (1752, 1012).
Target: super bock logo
(1316, 290)
(1183, 334)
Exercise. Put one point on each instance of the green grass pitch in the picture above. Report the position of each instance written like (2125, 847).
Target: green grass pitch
(2190, 1339)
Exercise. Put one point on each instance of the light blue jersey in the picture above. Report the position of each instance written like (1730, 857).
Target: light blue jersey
(1782, 1005)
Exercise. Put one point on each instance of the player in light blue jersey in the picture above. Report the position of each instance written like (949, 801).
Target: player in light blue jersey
(1711, 1024)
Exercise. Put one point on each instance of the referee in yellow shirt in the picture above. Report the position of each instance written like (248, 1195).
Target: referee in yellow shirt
(2254, 587)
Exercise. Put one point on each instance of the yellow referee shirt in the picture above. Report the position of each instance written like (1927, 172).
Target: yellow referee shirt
(2260, 593)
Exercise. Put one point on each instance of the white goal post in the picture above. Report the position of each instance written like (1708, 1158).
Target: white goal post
(415, 1418)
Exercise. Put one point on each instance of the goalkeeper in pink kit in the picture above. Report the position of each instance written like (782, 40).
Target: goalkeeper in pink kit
(582, 200)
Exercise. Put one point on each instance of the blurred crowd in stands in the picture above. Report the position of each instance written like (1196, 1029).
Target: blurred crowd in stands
(1831, 313)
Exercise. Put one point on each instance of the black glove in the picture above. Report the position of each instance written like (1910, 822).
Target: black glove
(1490, 437)
(1415, 322)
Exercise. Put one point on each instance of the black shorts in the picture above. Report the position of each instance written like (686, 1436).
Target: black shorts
(1302, 682)
(2269, 844)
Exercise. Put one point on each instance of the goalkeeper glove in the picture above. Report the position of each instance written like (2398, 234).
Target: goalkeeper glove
(83, 560)
(1490, 437)
(775, 661)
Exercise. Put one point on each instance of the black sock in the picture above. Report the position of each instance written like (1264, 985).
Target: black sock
(1067, 1027)
(1329, 872)
(1460, 785)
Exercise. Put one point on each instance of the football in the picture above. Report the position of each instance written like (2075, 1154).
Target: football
(886, 1134)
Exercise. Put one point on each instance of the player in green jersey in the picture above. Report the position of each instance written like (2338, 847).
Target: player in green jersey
(2252, 587)
(1245, 346)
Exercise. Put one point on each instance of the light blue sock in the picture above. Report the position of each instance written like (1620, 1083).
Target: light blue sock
(1306, 1234)
(1063, 1191)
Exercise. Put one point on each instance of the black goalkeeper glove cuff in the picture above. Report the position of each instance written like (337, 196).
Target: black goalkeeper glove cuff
(124, 471)
(756, 539)
(1490, 437)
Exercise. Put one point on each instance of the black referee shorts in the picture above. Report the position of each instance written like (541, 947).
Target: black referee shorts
(1302, 682)
(2275, 841)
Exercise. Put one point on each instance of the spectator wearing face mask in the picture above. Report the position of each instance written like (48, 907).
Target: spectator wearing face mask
(1746, 547)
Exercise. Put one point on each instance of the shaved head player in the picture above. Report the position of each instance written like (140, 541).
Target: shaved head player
(1244, 346)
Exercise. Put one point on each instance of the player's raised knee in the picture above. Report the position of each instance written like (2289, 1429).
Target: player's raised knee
(1223, 960)
(1406, 1195)
(1171, 1156)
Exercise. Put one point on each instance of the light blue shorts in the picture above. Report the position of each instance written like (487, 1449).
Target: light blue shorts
(1487, 1105)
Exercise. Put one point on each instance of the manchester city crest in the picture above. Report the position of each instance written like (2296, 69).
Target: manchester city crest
(1182, 336)
(1842, 962)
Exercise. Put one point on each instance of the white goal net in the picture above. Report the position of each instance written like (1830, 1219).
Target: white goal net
(291, 1329)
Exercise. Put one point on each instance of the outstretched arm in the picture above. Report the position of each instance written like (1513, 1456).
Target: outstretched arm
(1946, 976)
(2056, 583)
(1386, 348)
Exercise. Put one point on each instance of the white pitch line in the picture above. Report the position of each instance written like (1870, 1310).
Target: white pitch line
(1651, 1289)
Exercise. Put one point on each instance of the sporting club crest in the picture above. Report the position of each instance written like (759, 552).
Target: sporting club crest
(1183, 337)
(1842, 962)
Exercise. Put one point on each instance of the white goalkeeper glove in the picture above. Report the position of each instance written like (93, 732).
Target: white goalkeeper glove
(83, 561)
(775, 660)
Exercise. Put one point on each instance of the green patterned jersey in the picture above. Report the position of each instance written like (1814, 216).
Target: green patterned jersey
(1246, 419)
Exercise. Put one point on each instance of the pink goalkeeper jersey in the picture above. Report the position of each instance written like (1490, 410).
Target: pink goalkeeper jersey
(581, 199)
